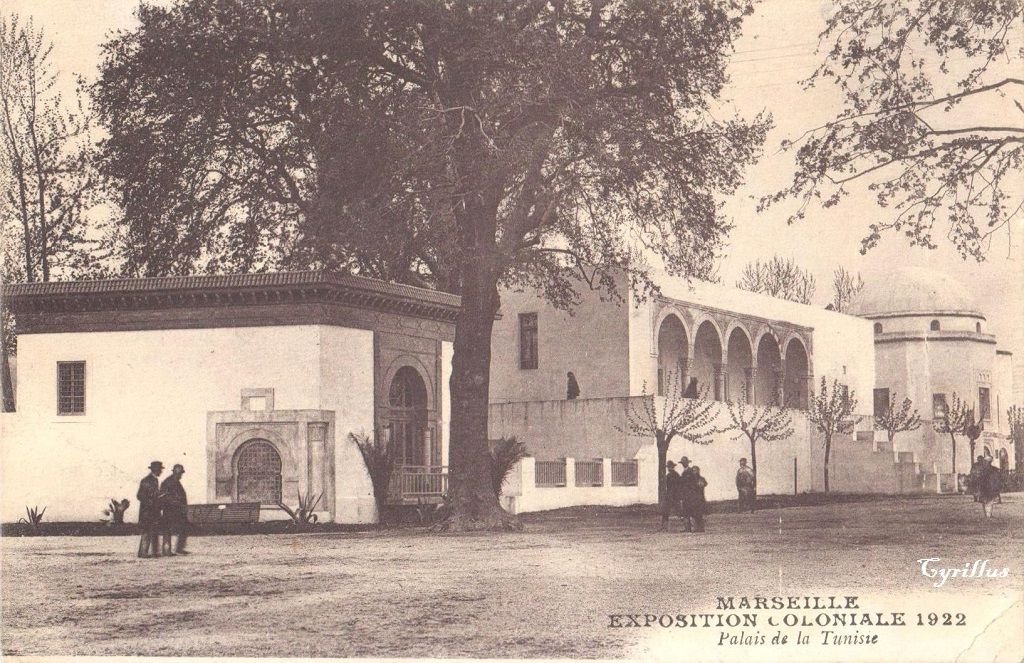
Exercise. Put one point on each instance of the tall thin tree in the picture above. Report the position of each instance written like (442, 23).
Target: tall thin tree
(901, 418)
(830, 411)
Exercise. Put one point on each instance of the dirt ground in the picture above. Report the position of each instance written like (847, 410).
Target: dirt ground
(546, 592)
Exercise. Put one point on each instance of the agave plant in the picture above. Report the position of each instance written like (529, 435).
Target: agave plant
(116, 510)
(303, 514)
(34, 518)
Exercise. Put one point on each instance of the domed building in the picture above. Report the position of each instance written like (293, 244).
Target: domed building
(932, 345)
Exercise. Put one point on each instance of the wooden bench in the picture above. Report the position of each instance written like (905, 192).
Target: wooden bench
(235, 513)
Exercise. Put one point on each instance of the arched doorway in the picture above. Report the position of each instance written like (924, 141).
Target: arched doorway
(407, 419)
(796, 375)
(258, 473)
(741, 360)
(672, 349)
(769, 371)
(707, 360)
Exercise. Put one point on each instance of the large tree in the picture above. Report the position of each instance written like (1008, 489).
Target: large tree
(930, 118)
(467, 144)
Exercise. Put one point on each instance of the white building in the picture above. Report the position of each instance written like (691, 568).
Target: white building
(252, 382)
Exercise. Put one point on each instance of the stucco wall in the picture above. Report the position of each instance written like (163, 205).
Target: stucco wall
(147, 395)
(592, 342)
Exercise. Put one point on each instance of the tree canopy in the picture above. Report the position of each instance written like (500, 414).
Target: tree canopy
(463, 144)
(929, 122)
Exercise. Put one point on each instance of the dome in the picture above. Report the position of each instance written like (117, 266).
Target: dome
(913, 290)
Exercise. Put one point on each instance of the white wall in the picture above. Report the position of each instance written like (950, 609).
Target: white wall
(147, 395)
(346, 374)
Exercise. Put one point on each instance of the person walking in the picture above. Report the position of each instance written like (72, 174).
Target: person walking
(671, 502)
(687, 494)
(149, 511)
(988, 487)
(175, 511)
(746, 486)
(699, 504)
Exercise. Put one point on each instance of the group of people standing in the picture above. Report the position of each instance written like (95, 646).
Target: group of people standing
(684, 494)
(162, 511)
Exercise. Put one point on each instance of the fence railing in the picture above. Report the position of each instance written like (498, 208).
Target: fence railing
(410, 483)
(549, 473)
(625, 472)
(589, 473)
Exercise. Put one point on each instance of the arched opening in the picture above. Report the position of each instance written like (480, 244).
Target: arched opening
(407, 419)
(935, 325)
(741, 361)
(258, 473)
(672, 348)
(707, 360)
(878, 327)
(769, 371)
(795, 386)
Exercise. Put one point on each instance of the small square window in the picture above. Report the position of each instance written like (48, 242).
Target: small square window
(71, 387)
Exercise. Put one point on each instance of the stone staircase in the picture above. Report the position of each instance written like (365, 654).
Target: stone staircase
(868, 463)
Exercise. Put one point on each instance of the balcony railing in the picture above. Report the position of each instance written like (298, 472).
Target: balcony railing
(411, 484)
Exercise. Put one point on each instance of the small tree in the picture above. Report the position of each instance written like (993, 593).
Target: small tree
(972, 430)
(845, 288)
(1015, 417)
(688, 418)
(952, 421)
(778, 277)
(898, 419)
(380, 463)
(758, 422)
(830, 412)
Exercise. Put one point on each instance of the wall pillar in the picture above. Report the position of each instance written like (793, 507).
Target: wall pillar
(780, 387)
(684, 375)
(721, 383)
(751, 380)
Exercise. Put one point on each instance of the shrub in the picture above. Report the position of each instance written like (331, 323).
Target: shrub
(34, 518)
(116, 510)
(303, 514)
(504, 455)
(380, 463)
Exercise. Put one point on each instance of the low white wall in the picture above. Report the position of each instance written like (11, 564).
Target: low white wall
(522, 495)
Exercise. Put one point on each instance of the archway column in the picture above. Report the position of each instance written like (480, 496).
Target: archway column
(810, 390)
(751, 380)
(780, 387)
(721, 382)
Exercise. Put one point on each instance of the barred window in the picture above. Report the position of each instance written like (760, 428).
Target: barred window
(528, 340)
(71, 387)
(258, 472)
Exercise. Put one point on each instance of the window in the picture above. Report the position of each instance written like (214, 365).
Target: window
(528, 340)
(71, 387)
(878, 327)
(258, 472)
(881, 402)
(983, 404)
(935, 325)
(407, 417)
(938, 405)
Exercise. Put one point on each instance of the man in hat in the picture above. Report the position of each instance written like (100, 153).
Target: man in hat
(149, 511)
(175, 503)
(671, 493)
(745, 486)
(687, 495)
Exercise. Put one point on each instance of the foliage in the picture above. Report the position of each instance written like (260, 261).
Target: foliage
(45, 180)
(33, 518)
(830, 411)
(380, 463)
(926, 121)
(304, 512)
(846, 287)
(898, 419)
(115, 510)
(779, 277)
(952, 421)
(688, 418)
(758, 422)
(467, 146)
(504, 456)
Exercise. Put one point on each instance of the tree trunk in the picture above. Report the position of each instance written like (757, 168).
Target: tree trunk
(753, 461)
(828, 450)
(662, 443)
(972, 447)
(952, 438)
(472, 502)
(6, 383)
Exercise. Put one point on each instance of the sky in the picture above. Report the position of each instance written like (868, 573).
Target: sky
(776, 51)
